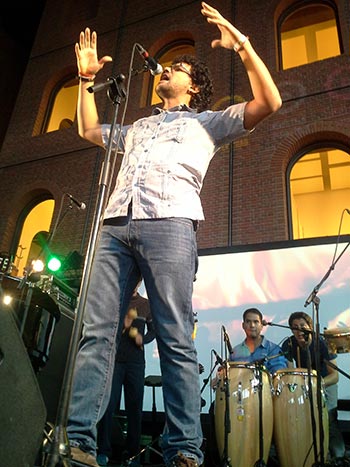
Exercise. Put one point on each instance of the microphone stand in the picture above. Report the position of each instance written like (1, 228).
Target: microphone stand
(30, 276)
(260, 462)
(316, 302)
(206, 380)
(305, 331)
(58, 451)
(227, 421)
(225, 461)
(58, 222)
(338, 369)
(260, 365)
(312, 409)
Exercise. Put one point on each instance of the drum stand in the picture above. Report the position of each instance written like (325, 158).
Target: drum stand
(226, 461)
(260, 462)
(312, 413)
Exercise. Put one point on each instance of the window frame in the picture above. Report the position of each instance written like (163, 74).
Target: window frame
(297, 6)
(51, 101)
(319, 145)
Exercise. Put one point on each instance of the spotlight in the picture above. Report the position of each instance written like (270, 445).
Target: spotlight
(54, 264)
(7, 299)
(37, 265)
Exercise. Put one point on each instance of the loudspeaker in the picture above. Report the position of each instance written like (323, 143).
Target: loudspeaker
(50, 377)
(22, 409)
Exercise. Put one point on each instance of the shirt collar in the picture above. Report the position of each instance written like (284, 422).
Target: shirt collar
(177, 108)
(262, 343)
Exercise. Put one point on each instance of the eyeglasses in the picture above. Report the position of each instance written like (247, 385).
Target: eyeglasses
(180, 67)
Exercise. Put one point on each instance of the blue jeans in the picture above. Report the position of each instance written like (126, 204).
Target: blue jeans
(164, 253)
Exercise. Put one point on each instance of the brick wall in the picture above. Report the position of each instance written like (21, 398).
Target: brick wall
(316, 106)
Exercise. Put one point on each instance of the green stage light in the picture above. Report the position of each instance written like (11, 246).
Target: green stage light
(54, 264)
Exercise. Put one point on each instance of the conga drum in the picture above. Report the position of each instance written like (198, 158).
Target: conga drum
(292, 425)
(244, 438)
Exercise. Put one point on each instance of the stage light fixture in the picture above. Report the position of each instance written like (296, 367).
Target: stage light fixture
(54, 264)
(7, 299)
(37, 265)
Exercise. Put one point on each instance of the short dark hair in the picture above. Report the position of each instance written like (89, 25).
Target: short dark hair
(200, 75)
(253, 310)
(300, 315)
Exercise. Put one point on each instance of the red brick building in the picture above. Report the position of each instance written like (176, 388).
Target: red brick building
(245, 191)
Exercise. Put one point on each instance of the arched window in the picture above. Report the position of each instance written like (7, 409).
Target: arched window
(62, 106)
(308, 33)
(319, 190)
(35, 229)
(165, 58)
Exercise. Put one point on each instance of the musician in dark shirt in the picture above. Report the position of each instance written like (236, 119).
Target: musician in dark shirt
(129, 372)
(300, 348)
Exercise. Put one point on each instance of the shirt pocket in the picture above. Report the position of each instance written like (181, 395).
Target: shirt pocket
(174, 131)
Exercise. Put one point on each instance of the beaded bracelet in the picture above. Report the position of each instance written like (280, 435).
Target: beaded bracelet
(239, 44)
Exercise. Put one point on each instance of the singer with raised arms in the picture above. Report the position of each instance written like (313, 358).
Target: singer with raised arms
(149, 230)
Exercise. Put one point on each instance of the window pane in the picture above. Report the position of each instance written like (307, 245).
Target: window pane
(293, 50)
(309, 34)
(307, 166)
(339, 178)
(64, 108)
(307, 185)
(37, 220)
(327, 40)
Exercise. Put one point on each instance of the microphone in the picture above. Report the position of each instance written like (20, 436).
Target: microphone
(266, 323)
(227, 340)
(311, 297)
(347, 210)
(79, 204)
(152, 65)
(114, 84)
(218, 358)
(305, 332)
